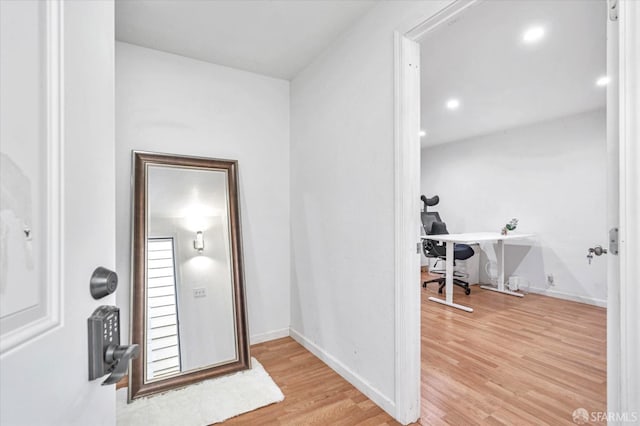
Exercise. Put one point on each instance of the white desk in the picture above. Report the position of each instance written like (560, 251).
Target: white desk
(472, 237)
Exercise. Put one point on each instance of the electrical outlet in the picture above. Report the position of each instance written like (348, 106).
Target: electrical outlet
(200, 292)
(550, 280)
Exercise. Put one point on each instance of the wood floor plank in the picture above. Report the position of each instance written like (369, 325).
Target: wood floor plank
(529, 361)
(314, 393)
(521, 361)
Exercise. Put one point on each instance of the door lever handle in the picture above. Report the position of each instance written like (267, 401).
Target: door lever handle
(121, 355)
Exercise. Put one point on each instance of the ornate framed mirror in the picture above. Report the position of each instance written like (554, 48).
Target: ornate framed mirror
(188, 300)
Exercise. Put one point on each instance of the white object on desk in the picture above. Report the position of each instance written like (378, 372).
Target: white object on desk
(472, 237)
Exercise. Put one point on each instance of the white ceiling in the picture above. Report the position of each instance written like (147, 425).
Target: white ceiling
(277, 38)
(479, 58)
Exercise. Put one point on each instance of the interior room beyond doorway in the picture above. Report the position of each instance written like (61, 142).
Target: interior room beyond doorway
(513, 126)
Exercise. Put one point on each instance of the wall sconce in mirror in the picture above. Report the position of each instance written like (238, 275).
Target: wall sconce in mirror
(198, 243)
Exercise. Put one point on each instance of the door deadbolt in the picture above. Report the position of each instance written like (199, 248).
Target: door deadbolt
(103, 282)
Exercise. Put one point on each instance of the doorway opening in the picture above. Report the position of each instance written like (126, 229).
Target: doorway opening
(512, 126)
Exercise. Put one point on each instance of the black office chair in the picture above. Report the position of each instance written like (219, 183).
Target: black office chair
(433, 225)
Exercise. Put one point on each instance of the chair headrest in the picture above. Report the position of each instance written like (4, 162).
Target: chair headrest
(430, 202)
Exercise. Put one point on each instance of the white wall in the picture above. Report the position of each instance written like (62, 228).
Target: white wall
(342, 200)
(172, 104)
(552, 177)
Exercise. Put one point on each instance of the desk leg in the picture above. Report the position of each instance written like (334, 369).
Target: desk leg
(449, 273)
(501, 288)
(500, 265)
(449, 283)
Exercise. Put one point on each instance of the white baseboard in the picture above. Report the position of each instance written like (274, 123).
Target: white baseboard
(361, 384)
(269, 335)
(567, 296)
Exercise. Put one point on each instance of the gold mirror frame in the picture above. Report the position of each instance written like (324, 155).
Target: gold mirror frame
(141, 160)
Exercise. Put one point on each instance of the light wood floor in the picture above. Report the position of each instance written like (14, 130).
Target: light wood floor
(514, 361)
(529, 361)
(314, 393)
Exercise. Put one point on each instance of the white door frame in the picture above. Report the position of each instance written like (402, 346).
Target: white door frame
(624, 390)
(624, 351)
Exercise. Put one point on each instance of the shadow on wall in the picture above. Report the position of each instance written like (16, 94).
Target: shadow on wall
(518, 258)
(535, 264)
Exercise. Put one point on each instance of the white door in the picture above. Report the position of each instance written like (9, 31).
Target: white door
(57, 207)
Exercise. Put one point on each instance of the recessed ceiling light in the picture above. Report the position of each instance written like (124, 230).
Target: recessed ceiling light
(602, 81)
(453, 104)
(533, 34)
(422, 133)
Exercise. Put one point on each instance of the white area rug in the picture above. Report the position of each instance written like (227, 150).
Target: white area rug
(211, 401)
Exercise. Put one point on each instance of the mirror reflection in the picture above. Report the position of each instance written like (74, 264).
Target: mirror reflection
(190, 301)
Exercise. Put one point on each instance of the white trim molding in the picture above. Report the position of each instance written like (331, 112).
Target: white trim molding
(629, 107)
(447, 13)
(407, 225)
(52, 298)
(352, 377)
(269, 335)
(568, 296)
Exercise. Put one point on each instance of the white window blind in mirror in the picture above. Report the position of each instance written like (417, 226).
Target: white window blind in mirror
(163, 343)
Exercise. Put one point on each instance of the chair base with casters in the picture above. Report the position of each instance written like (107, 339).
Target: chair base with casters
(442, 282)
